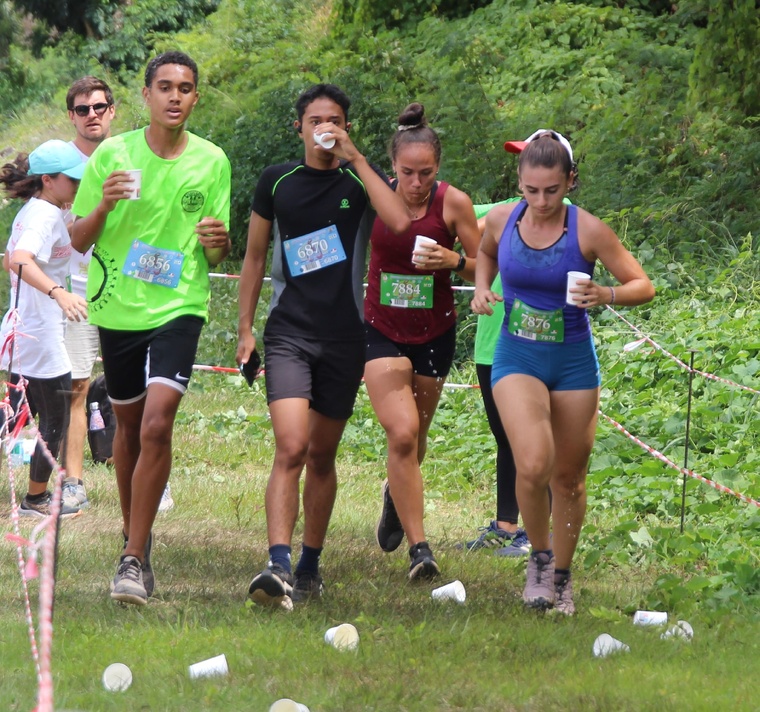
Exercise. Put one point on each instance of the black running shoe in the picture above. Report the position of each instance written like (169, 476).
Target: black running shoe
(389, 531)
(272, 586)
(307, 587)
(423, 564)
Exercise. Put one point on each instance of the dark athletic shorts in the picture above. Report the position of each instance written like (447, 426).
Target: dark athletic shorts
(433, 358)
(326, 373)
(132, 360)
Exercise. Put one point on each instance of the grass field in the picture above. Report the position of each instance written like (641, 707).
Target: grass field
(414, 654)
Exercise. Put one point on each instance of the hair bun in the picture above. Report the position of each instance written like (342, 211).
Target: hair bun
(412, 117)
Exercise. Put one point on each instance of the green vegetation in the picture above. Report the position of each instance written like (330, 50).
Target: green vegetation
(668, 157)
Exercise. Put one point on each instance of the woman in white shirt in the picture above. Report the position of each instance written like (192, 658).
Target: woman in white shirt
(38, 252)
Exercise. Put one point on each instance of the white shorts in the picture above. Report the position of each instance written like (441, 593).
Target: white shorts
(82, 344)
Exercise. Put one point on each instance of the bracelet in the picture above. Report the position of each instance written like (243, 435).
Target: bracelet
(53, 288)
(612, 295)
(461, 264)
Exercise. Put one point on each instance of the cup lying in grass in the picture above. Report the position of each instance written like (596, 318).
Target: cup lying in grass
(117, 677)
(288, 705)
(606, 645)
(681, 629)
(209, 668)
(343, 637)
(453, 591)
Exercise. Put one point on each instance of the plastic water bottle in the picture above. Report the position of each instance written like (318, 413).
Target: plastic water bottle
(96, 417)
(17, 454)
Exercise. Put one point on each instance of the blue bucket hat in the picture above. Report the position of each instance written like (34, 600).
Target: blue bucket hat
(56, 156)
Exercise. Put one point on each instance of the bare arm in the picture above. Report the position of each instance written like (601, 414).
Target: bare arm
(212, 234)
(460, 218)
(73, 307)
(487, 265)
(251, 279)
(598, 241)
(87, 229)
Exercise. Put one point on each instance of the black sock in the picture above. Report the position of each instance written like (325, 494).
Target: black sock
(36, 497)
(280, 554)
(419, 545)
(309, 561)
(561, 575)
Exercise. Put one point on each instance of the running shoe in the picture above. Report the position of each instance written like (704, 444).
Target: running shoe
(539, 585)
(307, 587)
(423, 564)
(73, 493)
(519, 546)
(149, 580)
(44, 507)
(563, 597)
(128, 584)
(166, 502)
(272, 586)
(491, 537)
(389, 531)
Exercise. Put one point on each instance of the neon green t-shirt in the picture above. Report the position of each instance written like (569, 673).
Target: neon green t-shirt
(148, 266)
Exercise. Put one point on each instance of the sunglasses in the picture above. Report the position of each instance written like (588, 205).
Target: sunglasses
(84, 109)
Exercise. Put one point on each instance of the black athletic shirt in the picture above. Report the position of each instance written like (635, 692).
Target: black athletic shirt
(324, 304)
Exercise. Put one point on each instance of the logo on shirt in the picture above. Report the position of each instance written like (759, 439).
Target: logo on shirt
(192, 201)
(344, 204)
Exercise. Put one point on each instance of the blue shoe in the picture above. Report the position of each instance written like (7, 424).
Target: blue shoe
(492, 537)
(519, 546)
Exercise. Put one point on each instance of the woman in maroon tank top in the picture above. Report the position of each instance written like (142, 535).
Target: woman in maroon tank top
(410, 320)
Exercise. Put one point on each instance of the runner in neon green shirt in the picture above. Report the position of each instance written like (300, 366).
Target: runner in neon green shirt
(148, 288)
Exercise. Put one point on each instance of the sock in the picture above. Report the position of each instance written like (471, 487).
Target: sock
(419, 545)
(280, 554)
(36, 497)
(73, 481)
(549, 554)
(309, 561)
(561, 575)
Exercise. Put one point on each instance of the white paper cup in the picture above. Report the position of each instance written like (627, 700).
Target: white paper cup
(326, 140)
(288, 705)
(453, 591)
(572, 281)
(135, 183)
(208, 668)
(117, 677)
(605, 645)
(343, 637)
(681, 629)
(650, 618)
(421, 248)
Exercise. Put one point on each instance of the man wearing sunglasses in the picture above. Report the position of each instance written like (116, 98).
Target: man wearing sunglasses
(91, 109)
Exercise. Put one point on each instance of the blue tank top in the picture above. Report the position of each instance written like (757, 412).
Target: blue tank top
(539, 277)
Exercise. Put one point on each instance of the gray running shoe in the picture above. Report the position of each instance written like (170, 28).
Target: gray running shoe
(563, 597)
(73, 493)
(149, 579)
(271, 587)
(43, 508)
(539, 585)
(519, 546)
(424, 565)
(307, 587)
(128, 584)
(389, 531)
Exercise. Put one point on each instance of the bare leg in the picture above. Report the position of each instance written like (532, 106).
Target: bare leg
(77, 433)
(152, 465)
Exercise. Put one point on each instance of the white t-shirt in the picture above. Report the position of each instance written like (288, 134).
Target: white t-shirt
(40, 351)
(79, 262)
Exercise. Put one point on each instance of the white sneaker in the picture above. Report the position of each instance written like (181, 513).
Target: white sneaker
(166, 502)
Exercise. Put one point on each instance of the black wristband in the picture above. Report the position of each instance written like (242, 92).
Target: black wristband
(461, 264)
(53, 288)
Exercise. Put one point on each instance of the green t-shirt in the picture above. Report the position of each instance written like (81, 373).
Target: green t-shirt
(148, 266)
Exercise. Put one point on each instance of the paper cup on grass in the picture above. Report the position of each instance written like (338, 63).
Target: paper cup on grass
(422, 246)
(572, 282)
(209, 668)
(343, 637)
(650, 618)
(117, 677)
(326, 140)
(453, 591)
(681, 629)
(288, 705)
(135, 183)
(606, 645)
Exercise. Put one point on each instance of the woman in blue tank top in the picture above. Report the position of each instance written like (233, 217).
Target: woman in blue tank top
(545, 374)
